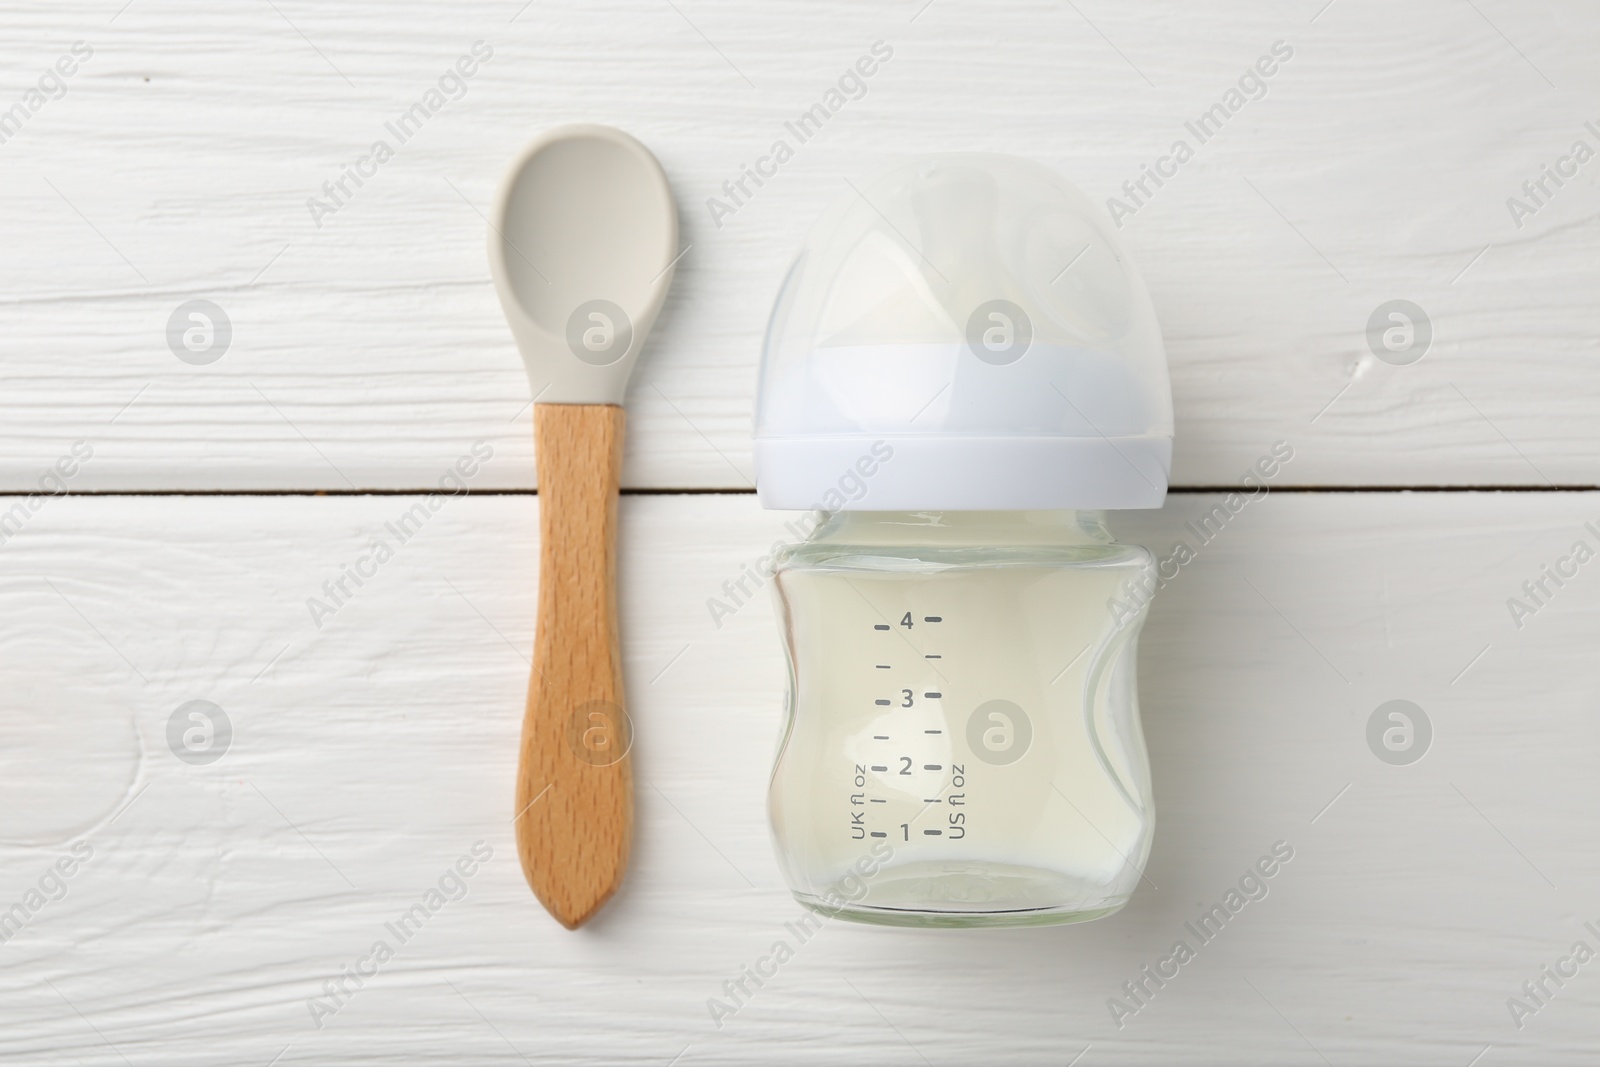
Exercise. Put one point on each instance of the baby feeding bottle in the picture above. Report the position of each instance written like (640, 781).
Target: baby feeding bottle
(962, 373)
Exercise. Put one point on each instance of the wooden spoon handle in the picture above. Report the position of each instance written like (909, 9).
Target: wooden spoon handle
(574, 778)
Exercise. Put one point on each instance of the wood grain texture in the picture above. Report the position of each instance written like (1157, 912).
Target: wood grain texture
(224, 906)
(574, 799)
(369, 351)
(365, 764)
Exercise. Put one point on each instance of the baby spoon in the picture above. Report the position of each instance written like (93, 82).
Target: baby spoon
(582, 244)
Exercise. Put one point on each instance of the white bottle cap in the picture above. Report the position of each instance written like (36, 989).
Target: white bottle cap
(964, 333)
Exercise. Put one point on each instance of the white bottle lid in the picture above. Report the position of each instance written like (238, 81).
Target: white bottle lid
(964, 333)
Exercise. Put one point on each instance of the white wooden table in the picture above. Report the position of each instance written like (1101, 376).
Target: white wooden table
(211, 906)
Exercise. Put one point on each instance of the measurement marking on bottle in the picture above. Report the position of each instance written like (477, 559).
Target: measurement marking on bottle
(903, 698)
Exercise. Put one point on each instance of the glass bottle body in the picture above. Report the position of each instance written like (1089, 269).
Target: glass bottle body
(962, 745)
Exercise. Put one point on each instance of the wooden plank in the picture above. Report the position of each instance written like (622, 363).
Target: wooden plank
(368, 756)
(369, 351)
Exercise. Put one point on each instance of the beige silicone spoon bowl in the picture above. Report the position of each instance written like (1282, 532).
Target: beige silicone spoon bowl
(582, 244)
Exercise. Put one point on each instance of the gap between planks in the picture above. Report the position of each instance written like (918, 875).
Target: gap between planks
(1176, 490)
